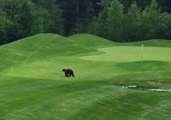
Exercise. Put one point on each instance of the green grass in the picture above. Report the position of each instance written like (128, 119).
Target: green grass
(33, 87)
(131, 53)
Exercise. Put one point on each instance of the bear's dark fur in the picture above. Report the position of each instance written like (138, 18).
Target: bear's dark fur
(68, 72)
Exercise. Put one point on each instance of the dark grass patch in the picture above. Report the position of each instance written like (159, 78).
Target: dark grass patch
(145, 66)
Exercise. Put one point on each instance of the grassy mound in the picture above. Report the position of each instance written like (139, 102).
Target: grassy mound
(88, 40)
(33, 87)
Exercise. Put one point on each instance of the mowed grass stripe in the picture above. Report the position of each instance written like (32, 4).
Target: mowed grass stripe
(129, 105)
(32, 101)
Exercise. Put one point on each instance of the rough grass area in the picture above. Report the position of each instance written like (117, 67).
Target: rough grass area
(33, 87)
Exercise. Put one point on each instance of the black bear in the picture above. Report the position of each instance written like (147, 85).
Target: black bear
(68, 72)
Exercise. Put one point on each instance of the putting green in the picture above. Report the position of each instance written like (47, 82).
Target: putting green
(130, 53)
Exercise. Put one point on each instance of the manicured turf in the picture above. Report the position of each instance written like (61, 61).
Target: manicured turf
(33, 87)
(125, 54)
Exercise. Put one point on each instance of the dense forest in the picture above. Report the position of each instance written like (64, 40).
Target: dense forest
(117, 20)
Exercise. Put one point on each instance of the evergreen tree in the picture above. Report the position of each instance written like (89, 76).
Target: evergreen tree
(102, 28)
(55, 19)
(40, 20)
(77, 14)
(132, 23)
(164, 28)
(165, 5)
(150, 20)
(3, 20)
(25, 17)
(119, 20)
(115, 21)
(10, 8)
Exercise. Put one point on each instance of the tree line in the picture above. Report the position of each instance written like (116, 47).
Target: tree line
(117, 20)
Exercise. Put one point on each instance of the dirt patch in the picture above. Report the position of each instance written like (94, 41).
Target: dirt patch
(147, 85)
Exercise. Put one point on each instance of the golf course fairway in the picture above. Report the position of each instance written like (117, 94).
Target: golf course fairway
(113, 81)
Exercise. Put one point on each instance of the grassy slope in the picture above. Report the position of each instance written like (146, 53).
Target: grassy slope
(33, 87)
